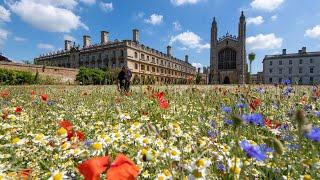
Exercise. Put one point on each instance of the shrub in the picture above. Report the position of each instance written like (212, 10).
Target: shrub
(14, 77)
(88, 76)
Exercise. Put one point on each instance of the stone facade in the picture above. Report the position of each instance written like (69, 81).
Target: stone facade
(228, 56)
(144, 62)
(301, 68)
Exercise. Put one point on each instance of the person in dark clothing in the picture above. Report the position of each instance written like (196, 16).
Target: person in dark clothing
(124, 79)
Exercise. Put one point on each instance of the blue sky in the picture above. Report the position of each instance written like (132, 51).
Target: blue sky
(29, 28)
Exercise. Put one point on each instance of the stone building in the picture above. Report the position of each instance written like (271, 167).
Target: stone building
(301, 68)
(228, 56)
(144, 62)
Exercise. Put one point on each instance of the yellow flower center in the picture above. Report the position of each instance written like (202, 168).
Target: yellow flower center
(62, 131)
(97, 146)
(144, 151)
(39, 137)
(307, 177)
(117, 135)
(167, 172)
(174, 153)
(137, 136)
(200, 163)
(197, 174)
(235, 170)
(160, 178)
(146, 141)
(64, 146)
(58, 176)
(15, 140)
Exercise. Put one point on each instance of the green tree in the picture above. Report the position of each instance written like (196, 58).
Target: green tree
(252, 57)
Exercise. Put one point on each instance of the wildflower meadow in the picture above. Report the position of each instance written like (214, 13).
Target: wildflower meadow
(167, 132)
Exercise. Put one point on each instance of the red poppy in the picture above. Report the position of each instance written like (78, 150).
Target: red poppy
(122, 169)
(270, 124)
(80, 135)
(24, 174)
(4, 94)
(159, 95)
(18, 109)
(33, 93)
(44, 97)
(164, 104)
(255, 103)
(92, 168)
(65, 124)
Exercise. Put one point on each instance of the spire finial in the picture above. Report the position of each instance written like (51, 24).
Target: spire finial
(214, 22)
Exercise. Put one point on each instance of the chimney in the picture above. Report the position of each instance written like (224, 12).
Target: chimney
(186, 59)
(204, 69)
(304, 49)
(86, 41)
(67, 45)
(135, 34)
(169, 51)
(198, 70)
(284, 51)
(104, 37)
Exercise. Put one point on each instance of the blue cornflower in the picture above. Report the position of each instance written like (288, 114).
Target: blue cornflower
(260, 90)
(287, 91)
(51, 103)
(287, 138)
(318, 113)
(256, 119)
(286, 82)
(212, 134)
(228, 121)
(221, 167)
(88, 143)
(213, 124)
(293, 147)
(226, 109)
(241, 105)
(314, 134)
(257, 152)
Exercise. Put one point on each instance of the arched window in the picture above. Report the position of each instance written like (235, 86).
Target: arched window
(227, 59)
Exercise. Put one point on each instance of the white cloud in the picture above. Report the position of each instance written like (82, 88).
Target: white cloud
(255, 20)
(176, 26)
(182, 48)
(106, 7)
(46, 16)
(266, 5)
(140, 15)
(4, 14)
(182, 2)
(264, 41)
(190, 40)
(69, 4)
(3, 36)
(274, 17)
(19, 39)
(197, 65)
(45, 46)
(313, 32)
(89, 2)
(154, 19)
(69, 37)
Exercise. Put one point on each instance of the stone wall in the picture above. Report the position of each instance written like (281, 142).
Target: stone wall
(63, 75)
